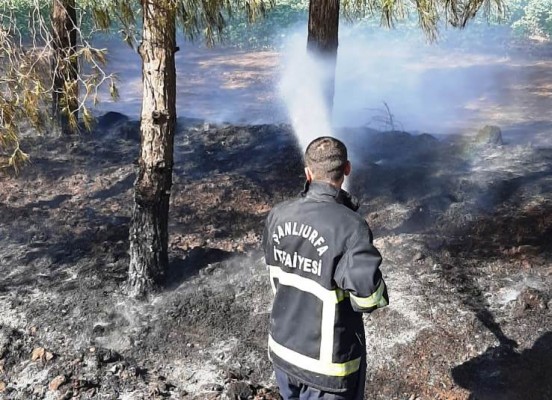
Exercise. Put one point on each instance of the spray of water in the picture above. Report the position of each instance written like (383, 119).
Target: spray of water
(301, 89)
(395, 80)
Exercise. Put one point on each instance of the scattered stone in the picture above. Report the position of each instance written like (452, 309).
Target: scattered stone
(67, 395)
(108, 356)
(212, 387)
(118, 368)
(489, 135)
(234, 375)
(98, 330)
(267, 394)
(239, 390)
(57, 382)
(530, 299)
(159, 388)
(418, 257)
(38, 354)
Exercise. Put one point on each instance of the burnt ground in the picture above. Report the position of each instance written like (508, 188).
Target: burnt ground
(463, 227)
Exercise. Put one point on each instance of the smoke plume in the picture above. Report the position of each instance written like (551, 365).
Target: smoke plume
(301, 89)
(395, 80)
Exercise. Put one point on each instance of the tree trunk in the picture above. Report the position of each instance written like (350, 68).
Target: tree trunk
(149, 224)
(65, 67)
(323, 41)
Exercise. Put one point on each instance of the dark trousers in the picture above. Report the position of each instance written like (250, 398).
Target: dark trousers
(292, 389)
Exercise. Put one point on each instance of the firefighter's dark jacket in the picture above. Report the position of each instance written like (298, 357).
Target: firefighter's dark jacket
(324, 272)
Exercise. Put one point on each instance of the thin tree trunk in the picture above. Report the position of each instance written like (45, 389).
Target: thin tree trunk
(149, 225)
(322, 41)
(65, 67)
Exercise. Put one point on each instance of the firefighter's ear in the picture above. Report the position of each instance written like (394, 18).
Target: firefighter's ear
(348, 168)
(308, 174)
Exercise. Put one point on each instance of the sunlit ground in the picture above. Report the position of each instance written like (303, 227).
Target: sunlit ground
(439, 89)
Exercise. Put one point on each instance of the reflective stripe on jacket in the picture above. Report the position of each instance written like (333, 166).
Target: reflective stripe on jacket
(324, 271)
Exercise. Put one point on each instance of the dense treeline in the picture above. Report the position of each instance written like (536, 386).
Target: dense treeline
(524, 17)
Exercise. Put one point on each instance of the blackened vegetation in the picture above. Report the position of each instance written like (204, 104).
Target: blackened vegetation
(267, 154)
(460, 226)
(400, 168)
(54, 248)
(481, 227)
(65, 231)
(503, 373)
(195, 261)
(520, 234)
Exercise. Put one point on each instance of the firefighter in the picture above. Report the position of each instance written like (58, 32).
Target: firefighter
(324, 272)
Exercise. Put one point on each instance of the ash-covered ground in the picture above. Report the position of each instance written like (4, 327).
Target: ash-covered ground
(463, 226)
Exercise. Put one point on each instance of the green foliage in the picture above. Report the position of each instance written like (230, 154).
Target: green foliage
(229, 21)
(267, 32)
(198, 19)
(29, 75)
(532, 17)
(24, 11)
(30, 59)
(429, 15)
(368, 15)
(527, 17)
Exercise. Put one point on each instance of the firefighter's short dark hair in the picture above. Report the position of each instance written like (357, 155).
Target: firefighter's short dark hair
(326, 157)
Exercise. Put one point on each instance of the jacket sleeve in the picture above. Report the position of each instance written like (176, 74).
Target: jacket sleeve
(359, 274)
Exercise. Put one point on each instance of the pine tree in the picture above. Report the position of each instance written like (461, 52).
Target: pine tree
(42, 53)
(149, 228)
(65, 65)
(150, 218)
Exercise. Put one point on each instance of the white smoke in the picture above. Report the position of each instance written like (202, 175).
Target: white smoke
(364, 79)
(301, 89)
(455, 86)
(440, 88)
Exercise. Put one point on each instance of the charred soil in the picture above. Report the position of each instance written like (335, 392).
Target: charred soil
(463, 227)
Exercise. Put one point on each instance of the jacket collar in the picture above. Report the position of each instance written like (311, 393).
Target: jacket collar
(323, 191)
